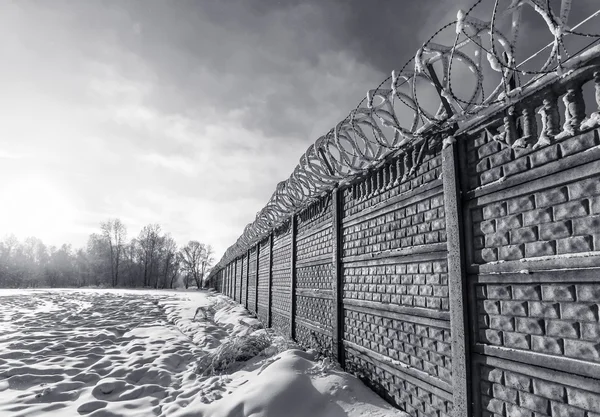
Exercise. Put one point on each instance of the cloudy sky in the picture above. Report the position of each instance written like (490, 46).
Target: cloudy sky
(183, 113)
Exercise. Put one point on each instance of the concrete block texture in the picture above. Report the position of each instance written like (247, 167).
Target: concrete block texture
(378, 267)
(548, 224)
(539, 313)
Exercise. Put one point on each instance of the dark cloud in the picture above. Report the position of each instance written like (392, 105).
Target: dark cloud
(257, 58)
(184, 111)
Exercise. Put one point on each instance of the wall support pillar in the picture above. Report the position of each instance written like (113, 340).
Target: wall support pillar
(293, 279)
(456, 283)
(247, 277)
(235, 290)
(337, 324)
(241, 270)
(256, 279)
(270, 280)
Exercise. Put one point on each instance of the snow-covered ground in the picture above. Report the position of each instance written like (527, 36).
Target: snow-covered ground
(145, 353)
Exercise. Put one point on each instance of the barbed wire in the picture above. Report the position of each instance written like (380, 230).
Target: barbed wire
(347, 151)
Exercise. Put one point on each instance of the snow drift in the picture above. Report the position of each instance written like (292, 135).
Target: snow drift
(142, 353)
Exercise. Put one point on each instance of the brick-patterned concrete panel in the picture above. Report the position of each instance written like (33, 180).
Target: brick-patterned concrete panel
(315, 277)
(317, 244)
(281, 301)
(315, 339)
(413, 399)
(555, 221)
(281, 297)
(508, 393)
(544, 327)
(280, 322)
(228, 283)
(415, 224)
(315, 310)
(252, 279)
(227, 286)
(315, 231)
(314, 271)
(423, 347)
(380, 186)
(489, 160)
(244, 263)
(238, 280)
(264, 265)
(554, 319)
(315, 216)
(420, 284)
(232, 279)
(282, 258)
(282, 278)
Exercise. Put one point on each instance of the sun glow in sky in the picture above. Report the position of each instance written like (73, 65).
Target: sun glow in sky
(37, 207)
(185, 113)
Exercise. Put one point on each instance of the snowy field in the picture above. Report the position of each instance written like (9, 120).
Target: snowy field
(158, 353)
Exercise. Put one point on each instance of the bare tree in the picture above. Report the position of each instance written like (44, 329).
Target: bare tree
(61, 269)
(168, 253)
(149, 240)
(206, 262)
(107, 260)
(175, 270)
(97, 249)
(132, 263)
(115, 232)
(9, 250)
(82, 265)
(185, 273)
(33, 263)
(196, 258)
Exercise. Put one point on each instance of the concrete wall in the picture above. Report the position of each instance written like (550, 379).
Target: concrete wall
(456, 278)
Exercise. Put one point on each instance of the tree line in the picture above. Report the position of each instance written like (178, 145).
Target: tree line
(152, 259)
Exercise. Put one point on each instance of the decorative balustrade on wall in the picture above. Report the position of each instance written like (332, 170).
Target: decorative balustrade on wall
(458, 274)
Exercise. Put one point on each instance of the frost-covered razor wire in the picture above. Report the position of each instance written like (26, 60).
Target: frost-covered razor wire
(391, 118)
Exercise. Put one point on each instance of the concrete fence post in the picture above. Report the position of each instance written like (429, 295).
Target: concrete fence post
(247, 277)
(456, 283)
(270, 280)
(256, 280)
(241, 272)
(293, 279)
(338, 313)
(235, 284)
